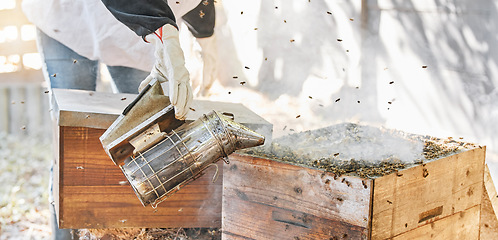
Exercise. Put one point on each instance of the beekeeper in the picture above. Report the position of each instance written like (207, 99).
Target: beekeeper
(75, 35)
(129, 37)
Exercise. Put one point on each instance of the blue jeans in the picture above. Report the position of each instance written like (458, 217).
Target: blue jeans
(68, 69)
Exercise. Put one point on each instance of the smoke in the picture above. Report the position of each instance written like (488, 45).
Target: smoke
(346, 141)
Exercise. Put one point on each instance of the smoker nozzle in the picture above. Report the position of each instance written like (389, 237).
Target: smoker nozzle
(242, 136)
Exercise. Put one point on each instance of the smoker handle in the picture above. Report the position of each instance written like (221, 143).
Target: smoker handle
(142, 93)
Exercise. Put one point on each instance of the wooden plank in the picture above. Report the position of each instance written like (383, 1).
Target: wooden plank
(13, 17)
(491, 190)
(18, 47)
(460, 225)
(17, 109)
(264, 199)
(95, 194)
(489, 223)
(427, 192)
(74, 106)
(118, 206)
(382, 210)
(4, 109)
(21, 77)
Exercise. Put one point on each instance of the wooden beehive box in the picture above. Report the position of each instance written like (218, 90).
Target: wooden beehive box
(91, 192)
(272, 196)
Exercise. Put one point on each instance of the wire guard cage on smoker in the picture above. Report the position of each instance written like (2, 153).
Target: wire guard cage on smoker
(181, 156)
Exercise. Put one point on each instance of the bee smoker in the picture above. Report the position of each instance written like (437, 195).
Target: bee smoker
(180, 156)
(157, 163)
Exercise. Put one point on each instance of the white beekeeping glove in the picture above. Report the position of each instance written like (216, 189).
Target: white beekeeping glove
(170, 67)
(209, 58)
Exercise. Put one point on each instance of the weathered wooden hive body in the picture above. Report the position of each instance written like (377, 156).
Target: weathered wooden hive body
(90, 191)
(354, 182)
(341, 182)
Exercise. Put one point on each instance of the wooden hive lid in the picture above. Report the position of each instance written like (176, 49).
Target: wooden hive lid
(80, 108)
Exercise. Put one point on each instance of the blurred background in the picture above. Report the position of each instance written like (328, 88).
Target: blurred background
(422, 66)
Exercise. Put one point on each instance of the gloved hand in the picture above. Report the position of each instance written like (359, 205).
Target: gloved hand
(170, 67)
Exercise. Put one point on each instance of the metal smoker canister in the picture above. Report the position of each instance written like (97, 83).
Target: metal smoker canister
(161, 170)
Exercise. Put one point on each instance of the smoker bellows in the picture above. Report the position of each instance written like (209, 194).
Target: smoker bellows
(158, 164)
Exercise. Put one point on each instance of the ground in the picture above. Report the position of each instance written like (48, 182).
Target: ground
(25, 165)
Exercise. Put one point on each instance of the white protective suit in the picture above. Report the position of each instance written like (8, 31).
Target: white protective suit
(89, 29)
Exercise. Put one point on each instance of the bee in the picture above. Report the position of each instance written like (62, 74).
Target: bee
(298, 116)
(351, 19)
(246, 67)
(123, 98)
(292, 40)
(242, 83)
(75, 61)
(329, 13)
(54, 75)
(337, 100)
(235, 77)
(192, 109)
(310, 97)
(424, 66)
(425, 173)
